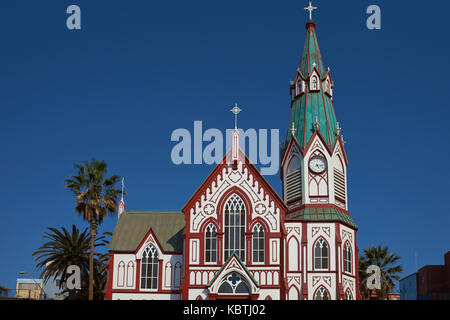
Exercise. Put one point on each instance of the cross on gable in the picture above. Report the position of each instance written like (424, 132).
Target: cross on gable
(234, 279)
(293, 129)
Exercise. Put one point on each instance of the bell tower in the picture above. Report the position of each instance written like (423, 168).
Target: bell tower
(322, 255)
(313, 157)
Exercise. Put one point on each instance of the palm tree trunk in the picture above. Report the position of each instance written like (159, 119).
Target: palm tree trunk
(93, 227)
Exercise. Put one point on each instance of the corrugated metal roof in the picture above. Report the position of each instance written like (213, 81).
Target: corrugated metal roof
(133, 226)
(321, 214)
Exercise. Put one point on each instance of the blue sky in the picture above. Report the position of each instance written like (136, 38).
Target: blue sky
(140, 69)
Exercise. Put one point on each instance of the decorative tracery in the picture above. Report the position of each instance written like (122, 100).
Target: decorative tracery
(234, 284)
(321, 254)
(322, 294)
(149, 268)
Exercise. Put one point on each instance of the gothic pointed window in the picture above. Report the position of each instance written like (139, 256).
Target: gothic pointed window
(322, 294)
(258, 243)
(348, 257)
(348, 295)
(149, 268)
(321, 254)
(234, 216)
(211, 244)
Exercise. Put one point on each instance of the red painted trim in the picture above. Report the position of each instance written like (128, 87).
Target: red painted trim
(108, 291)
(318, 205)
(143, 241)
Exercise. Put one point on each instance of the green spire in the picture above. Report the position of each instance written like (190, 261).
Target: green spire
(312, 109)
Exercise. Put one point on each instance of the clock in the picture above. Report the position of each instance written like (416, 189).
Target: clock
(317, 164)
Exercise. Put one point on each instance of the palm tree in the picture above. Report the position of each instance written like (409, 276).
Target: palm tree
(96, 198)
(379, 256)
(64, 249)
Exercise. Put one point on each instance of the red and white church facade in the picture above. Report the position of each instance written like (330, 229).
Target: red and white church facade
(236, 237)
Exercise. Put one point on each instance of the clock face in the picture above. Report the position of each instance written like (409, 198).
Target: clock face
(317, 164)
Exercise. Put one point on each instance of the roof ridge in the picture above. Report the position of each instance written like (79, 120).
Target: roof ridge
(152, 211)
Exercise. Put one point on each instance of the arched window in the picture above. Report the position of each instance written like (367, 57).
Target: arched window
(314, 85)
(348, 295)
(211, 243)
(258, 243)
(322, 294)
(149, 268)
(234, 284)
(321, 254)
(235, 227)
(347, 257)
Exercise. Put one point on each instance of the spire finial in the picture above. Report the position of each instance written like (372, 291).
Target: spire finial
(236, 111)
(338, 129)
(310, 8)
(317, 124)
(121, 208)
(123, 186)
(293, 129)
(235, 147)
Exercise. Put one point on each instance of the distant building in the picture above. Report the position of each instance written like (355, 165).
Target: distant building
(408, 287)
(29, 289)
(429, 283)
(4, 292)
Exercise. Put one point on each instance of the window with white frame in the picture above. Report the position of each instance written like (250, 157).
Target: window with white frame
(321, 254)
(348, 257)
(314, 83)
(258, 243)
(234, 216)
(149, 268)
(322, 294)
(211, 244)
(348, 295)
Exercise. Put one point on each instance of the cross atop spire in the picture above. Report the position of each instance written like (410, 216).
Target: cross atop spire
(235, 147)
(316, 123)
(236, 110)
(310, 8)
(338, 129)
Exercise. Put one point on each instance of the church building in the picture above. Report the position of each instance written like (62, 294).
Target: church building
(236, 237)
